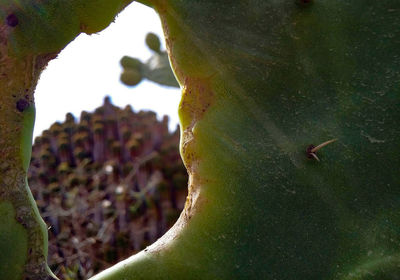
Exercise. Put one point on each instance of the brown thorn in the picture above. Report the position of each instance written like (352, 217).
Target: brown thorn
(313, 150)
(314, 156)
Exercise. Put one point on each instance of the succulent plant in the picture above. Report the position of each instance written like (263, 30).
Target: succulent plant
(101, 197)
(156, 68)
(153, 42)
(265, 85)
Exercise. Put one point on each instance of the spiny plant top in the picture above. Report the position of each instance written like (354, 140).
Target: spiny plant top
(112, 183)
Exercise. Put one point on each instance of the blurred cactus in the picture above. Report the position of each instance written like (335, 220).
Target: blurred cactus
(153, 42)
(107, 191)
(156, 69)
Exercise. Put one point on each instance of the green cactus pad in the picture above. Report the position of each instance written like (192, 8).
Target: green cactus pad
(262, 83)
(131, 77)
(13, 242)
(156, 69)
(130, 62)
(47, 26)
(153, 42)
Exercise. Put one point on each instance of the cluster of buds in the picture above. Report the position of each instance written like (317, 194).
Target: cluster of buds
(107, 186)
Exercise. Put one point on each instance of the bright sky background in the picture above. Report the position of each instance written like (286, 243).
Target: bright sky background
(88, 69)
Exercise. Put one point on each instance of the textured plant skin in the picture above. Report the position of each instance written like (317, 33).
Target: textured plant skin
(24, 234)
(48, 26)
(262, 81)
(31, 33)
(156, 69)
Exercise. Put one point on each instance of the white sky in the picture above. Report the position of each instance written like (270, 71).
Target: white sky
(88, 69)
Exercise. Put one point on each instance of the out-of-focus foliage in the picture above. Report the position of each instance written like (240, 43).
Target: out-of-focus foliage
(156, 69)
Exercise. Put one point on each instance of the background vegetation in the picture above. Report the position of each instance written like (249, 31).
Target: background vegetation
(107, 186)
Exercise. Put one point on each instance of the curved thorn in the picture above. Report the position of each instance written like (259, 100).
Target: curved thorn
(314, 156)
(313, 150)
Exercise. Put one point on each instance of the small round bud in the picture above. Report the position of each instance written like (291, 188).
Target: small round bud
(130, 62)
(131, 77)
(153, 42)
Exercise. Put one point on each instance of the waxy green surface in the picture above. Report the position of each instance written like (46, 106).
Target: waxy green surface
(263, 80)
(31, 34)
(48, 26)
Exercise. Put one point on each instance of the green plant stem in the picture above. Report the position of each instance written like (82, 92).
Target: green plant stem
(23, 249)
(31, 34)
